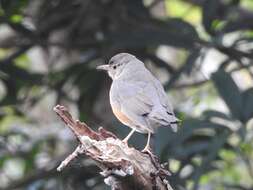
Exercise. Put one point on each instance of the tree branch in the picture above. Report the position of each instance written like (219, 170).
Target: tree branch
(124, 168)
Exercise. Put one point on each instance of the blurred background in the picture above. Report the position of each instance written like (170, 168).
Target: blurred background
(201, 50)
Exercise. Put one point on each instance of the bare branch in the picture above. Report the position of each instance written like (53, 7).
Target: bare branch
(124, 168)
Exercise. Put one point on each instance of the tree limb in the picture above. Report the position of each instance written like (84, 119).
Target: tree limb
(124, 168)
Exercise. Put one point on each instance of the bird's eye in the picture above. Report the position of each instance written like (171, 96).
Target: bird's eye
(114, 67)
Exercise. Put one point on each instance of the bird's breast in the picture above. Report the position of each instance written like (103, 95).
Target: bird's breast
(121, 116)
(116, 107)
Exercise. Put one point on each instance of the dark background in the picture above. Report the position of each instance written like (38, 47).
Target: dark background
(201, 50)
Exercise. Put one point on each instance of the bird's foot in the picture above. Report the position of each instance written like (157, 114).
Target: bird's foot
(147, 150)
(125, 141)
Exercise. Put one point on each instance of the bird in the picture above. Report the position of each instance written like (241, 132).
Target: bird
(137, 97)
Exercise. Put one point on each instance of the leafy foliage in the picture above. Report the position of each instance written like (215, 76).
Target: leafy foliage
(48, 56)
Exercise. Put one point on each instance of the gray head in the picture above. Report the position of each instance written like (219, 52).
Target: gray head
(117, 64)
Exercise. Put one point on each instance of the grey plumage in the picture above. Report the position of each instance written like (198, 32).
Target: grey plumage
(140, 96)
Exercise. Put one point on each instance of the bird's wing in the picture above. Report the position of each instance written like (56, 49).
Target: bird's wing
(173, 120)
(164, 100)
(136, 100)
(145, 75)
(164, 116)
(145, 101)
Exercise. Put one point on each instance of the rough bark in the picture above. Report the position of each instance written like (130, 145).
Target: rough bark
(123, 167)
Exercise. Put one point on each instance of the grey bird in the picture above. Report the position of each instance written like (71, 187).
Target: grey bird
(137, 98)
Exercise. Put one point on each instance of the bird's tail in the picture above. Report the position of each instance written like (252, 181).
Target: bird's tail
(164, 118)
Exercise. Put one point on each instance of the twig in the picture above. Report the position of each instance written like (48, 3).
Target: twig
(69, 159)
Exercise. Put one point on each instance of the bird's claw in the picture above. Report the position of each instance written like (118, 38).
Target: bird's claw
(125, 142)
(147, 150)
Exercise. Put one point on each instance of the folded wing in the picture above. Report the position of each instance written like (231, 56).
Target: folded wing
(145, 104)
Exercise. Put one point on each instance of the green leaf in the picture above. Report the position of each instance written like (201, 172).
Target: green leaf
(191, 125)
(16, 18)
(208, 114)
(239, 24)
(137, 8)
(191, 60)
(197, 144)
(230, 92)
(210, 10)
(247, 104)
(189, 128)
(13, 6)
(174, 32)
(217, 143)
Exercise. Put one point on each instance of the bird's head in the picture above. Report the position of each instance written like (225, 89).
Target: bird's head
(117, 64)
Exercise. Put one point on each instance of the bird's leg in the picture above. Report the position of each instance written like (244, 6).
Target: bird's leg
(147, 147)
(125, 140)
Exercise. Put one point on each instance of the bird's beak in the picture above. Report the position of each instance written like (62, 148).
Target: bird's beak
(103, 67)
